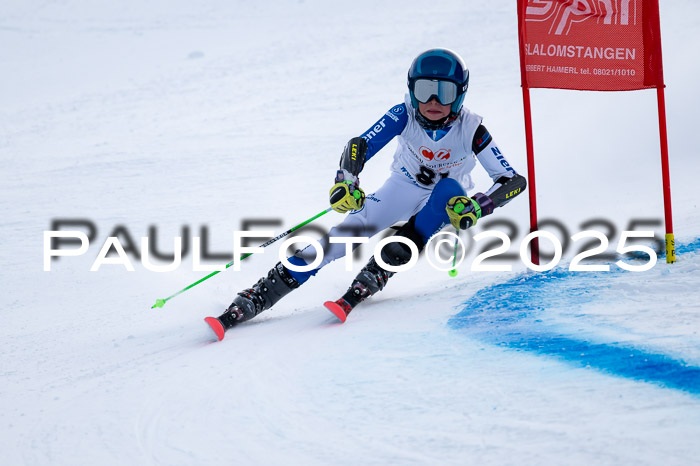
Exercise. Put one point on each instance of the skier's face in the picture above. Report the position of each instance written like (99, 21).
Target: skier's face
(433, 110)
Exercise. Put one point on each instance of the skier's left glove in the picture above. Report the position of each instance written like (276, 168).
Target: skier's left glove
(346, 194)
(464, 211)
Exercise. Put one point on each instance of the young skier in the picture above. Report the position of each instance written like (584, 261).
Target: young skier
(439, 143)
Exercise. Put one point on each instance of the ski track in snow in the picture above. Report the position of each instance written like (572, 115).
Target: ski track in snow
(180, 115)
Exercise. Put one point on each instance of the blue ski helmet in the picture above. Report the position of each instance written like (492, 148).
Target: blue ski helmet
(431, 75)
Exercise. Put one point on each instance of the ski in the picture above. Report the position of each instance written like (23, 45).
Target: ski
(339, 308)
(217, 326)
(226, 321)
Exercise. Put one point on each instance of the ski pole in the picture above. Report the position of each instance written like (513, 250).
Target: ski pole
(161, 302)
(453, 273)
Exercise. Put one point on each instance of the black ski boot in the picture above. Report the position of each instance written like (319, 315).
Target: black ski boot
(373, 278)
(252, 301)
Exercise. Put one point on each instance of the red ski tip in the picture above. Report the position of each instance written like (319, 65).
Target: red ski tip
(216, 326)
(336, 309)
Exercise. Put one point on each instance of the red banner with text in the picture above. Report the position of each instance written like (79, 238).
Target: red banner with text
(598, 45)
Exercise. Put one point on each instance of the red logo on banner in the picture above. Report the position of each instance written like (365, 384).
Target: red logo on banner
(590, 44)
(562, 15)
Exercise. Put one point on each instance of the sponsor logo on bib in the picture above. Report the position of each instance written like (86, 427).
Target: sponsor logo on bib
(442, 154)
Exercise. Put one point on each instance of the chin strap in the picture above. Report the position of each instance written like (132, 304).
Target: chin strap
(435, 125)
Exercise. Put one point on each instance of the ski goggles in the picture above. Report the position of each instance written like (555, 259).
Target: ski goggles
(426, 89)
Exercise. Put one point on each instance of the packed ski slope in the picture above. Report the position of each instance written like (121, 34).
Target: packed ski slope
(183, 115)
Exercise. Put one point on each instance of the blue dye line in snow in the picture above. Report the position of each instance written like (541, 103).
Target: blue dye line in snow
(509, 314)
(693, 246)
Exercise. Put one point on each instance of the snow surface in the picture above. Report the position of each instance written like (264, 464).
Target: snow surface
(178, 113)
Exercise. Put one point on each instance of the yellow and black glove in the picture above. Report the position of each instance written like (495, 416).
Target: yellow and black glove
(464, 211)
(346, 195)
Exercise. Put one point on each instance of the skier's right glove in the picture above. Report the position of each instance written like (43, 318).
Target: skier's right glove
(464, 211)
(346, 194)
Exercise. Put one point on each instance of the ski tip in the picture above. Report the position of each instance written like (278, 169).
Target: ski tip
(335, 308)
(216, 326)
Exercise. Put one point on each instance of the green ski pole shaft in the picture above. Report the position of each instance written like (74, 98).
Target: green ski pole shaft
(453, 272)
(161, 302)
